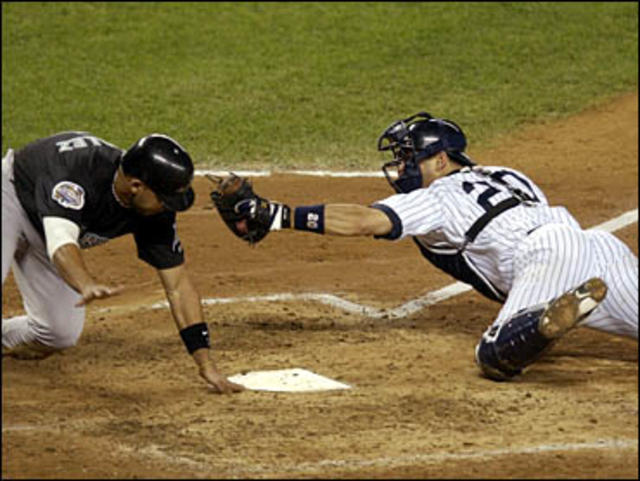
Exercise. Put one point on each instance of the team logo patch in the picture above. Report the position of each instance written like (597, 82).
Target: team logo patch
(68, 195)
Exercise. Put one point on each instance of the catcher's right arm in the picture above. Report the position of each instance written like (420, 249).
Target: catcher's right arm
(248, 216)
(251, 217)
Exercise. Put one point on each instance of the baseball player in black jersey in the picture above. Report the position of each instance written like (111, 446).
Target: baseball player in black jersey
(71, 191)
(490, 227)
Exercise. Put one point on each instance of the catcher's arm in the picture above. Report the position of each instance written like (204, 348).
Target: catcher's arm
(252, 217)
(354, 220)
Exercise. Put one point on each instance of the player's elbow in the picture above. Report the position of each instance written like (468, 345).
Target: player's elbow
(375, 223)
(355, 220)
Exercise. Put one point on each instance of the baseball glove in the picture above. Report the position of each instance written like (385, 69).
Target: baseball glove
(249, 216)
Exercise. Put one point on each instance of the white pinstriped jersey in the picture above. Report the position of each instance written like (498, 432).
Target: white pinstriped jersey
(438, 217)
(527, 254)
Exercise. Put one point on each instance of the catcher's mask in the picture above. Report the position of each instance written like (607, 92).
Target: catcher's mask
(415, 139)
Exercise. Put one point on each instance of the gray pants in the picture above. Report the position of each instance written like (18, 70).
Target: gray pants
(51, 316)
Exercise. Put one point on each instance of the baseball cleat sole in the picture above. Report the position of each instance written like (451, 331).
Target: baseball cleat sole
(570, 308)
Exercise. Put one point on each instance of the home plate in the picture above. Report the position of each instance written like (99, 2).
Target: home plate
(287, 380)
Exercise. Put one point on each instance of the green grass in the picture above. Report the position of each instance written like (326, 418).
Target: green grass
(306, 85)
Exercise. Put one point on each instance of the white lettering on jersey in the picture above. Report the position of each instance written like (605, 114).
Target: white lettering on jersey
(68, 195)
(81, 142)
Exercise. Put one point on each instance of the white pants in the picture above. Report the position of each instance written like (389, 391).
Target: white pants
(556, 258)
(52, 318)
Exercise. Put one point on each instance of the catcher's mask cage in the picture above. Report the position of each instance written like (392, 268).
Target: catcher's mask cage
(165, 167)
(415, 139)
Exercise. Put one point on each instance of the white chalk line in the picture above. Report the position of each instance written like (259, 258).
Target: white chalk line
(334, 301)
(155, 451)
(239, 467)
(406, 309)
(268, 173)
(430, 458)
(425, 458)
(619, 222)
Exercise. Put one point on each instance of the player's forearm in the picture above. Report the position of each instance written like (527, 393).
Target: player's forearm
(331, 219)
(354, 220)
(184, 301)
(186, 309)
(68, 260)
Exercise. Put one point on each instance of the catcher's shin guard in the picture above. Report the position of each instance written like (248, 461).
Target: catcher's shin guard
(506, 349)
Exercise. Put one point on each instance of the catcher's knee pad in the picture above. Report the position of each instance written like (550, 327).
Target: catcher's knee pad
(506, 349)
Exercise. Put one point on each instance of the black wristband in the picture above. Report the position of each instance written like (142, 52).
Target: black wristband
(309, 218)
(195, 337)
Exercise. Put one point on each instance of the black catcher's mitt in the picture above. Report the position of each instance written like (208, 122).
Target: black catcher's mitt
(245, 213)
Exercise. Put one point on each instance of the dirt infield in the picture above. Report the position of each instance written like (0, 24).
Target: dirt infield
(127, 401)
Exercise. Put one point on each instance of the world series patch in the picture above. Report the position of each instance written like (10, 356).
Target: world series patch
(68, 194)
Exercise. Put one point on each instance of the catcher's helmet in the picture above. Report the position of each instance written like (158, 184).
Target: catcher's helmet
(416, 138)
(163, 165)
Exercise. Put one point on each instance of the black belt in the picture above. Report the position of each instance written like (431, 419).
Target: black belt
(483, 220)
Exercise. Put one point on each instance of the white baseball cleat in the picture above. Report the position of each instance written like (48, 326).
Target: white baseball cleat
(570, 308)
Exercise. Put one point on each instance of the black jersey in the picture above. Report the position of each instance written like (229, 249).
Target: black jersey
(71, 175)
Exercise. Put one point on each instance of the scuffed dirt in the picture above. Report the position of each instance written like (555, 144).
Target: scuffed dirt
(127, 401)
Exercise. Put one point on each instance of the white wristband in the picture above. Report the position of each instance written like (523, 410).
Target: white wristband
(59, 231)
(280, 216)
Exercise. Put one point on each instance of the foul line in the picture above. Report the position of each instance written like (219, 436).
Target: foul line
(231, 467)
(404, 310)
(334, 301)
(468, 455)
(267, 173)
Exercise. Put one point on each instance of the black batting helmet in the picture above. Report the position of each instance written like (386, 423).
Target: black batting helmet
(416, 138)
(163, 165)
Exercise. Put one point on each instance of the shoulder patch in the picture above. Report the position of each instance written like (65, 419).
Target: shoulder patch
(68, 194)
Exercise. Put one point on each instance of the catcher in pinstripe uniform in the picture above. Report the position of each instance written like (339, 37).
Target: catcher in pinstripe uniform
(490, 227)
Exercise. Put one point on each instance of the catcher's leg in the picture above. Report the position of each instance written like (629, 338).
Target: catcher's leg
(618, 313)
(506, 348)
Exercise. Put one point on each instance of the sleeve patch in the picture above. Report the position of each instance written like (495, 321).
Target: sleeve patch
(68, 195)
